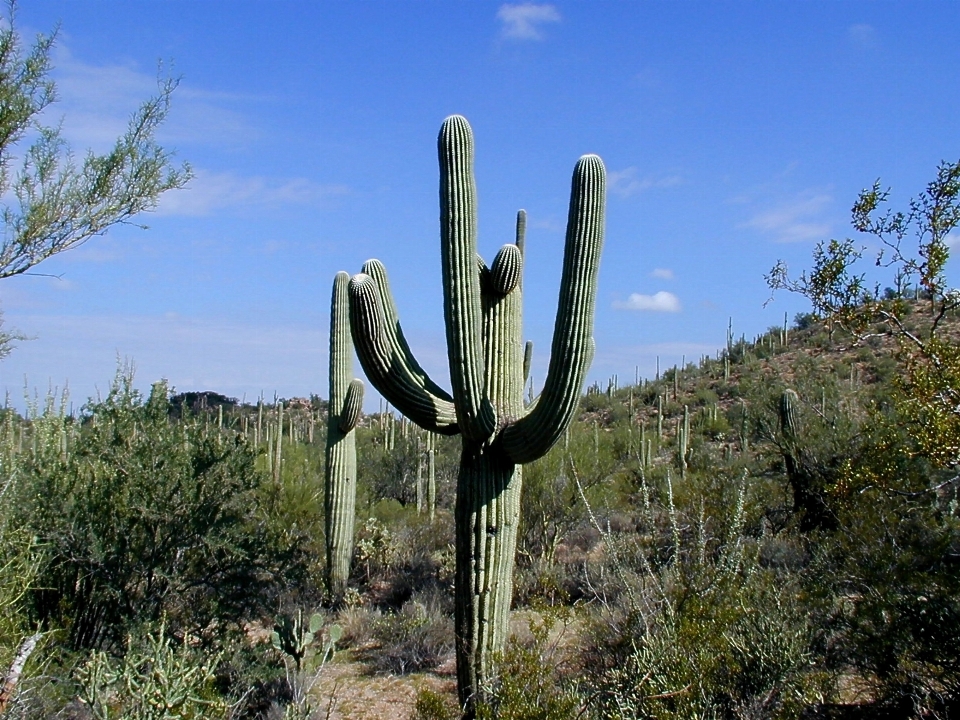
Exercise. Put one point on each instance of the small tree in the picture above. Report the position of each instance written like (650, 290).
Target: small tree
(52, 203)
(930, 388)
(893, 561)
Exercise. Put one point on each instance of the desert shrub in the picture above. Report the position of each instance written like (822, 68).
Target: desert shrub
(889, 593)
(432, 705)
(700, 629)
(418, 637)
(144, 517)
(155, 680)
(531, 682)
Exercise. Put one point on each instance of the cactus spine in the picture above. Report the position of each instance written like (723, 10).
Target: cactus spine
(346, 401)
(482, 314)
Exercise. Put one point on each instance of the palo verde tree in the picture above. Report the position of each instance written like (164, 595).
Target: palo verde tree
(898, 529)
(485, 349)
(52, 203)
(930, 388)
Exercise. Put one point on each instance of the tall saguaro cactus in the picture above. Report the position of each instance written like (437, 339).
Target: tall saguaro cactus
(482, 312)
(346, 401)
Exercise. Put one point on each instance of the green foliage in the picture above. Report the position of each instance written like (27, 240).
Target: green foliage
(702, 631)
(889, 592)
(50, 203)
(155, 680)
(431, 705)
(144, 518)
(59, 204)
(530, 684)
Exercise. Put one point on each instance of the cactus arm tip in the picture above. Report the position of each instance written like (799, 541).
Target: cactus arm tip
(506, 269)
(461, 282)
(521, 238)
(387, 368)
(352, 406)
(573, 346)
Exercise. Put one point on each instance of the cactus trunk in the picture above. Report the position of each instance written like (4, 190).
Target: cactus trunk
(340, 489)
(482, 313)
(487, 513)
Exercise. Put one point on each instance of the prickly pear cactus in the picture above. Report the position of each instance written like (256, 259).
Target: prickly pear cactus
(482, 313)
(293, 638)
(346, 401)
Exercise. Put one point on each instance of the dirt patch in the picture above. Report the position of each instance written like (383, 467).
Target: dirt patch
(346, 691)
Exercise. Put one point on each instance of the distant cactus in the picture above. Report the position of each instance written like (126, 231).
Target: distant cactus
(809, 502)
(482, 311)
(346, 402)
(431, 475)
(683, 441)
(789, 414)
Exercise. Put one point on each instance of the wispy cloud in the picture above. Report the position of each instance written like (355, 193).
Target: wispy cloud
(626, 182)
(208, 192)
(234, 358)
(521, 22)
(862, 36)
(794, 221)
(662, 273)
(97, 101)
(662, 301)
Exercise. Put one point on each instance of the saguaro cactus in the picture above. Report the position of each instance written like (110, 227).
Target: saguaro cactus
(805, 479)
(346, 400)
(482, 312)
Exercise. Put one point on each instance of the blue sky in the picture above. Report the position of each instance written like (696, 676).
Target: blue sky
(734, 134)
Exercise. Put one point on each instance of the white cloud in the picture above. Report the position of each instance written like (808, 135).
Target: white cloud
(658, 302)
(794, 221)
(520, 22)
(662, 273)
(209, 191)
(626, 183)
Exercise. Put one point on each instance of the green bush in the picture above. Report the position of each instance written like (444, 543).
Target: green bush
(144, 518)
(700, 629)
(531, 684)
(155, 680)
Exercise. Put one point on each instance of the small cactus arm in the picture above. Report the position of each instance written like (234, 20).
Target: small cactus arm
(482, 315)
(346, 401)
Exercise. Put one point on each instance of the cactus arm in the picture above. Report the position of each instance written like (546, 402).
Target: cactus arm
(521, 231)
(376, 270)
(462, 310)
(341, 342)
(527, 359)
(352, 405)
(532, 436)
(346, 396)
(506, 269)
(389, 370)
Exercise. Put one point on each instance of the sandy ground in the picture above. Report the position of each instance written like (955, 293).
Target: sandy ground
(346, 691)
